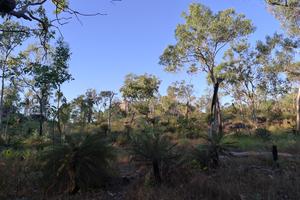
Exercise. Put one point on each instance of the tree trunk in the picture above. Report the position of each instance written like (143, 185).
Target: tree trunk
(2, 96)
(216, 118)
(109, 116)
(254, 117)
(41, 117)
(219, 116)
(187, 111)
(58, 113)
(298, 111)
(156, 171)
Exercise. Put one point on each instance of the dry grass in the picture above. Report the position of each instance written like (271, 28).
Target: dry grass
(239, 178)
(246, 178)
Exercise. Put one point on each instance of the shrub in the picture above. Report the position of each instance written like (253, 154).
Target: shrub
(82, 162)
(153, 146)
(262, 133)
(207, 154)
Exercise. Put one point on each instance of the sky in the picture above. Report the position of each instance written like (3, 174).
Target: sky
(132, 36)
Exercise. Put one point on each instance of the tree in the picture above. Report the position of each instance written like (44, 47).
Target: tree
(139, 90)
(60, 73)
(288, 13)
(41, 85)
(37, 11)
(91, 99)
(84, 107)
(199, 41)
(184, 94)
(107, 99)
(277, 55)
(9, 41)
(42, 75)
(255, 74)
(242, 75)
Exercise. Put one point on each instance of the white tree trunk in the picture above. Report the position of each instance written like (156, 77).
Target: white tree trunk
(298, 111)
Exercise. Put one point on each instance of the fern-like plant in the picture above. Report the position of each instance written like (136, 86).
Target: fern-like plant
(82, 162)
(208, 153)
(152, 145)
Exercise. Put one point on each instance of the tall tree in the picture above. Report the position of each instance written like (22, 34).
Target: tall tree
(242, 76)
(45, 19)
(277, 55)
(91, 99)
(139, 91)
(107, 99)
(288, 13)
(202, 37)
(9, 41)
(60, 73)
(183, 92)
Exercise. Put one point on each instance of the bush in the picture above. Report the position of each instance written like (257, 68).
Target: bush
(153, 146)
(82, 162)
(262, 133)
(208, 154)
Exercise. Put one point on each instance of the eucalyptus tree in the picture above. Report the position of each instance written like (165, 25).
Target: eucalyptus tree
(139, 91)
(277, 56)
(169, 106)
(45, 17)
(243, 75)
(41, 86)
(183, 93)
(200, 40)
(84, 107)
(107, 98)
(288, 13)
(256, 74)
(60, 73)
(11, 110)
(42, 75)
(9, 41)
(91, 99)
(78, 113)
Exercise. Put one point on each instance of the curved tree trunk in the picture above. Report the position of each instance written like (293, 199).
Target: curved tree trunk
(216, 118)
(298, 111)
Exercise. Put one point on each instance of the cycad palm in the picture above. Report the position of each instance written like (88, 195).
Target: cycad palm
(155, 147)
(80, 163)
(214, 146)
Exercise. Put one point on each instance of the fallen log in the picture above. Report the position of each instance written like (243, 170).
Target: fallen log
(255, 153)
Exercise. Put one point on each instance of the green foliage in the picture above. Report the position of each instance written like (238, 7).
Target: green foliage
(262, 133)
(208, 154)
(36, 141)
(153, 146)
(15, 154)
(142, 87)
(82, 162)
(203, 33)
(60, 5)
(287, 13)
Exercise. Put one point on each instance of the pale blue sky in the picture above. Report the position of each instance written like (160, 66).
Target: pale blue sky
(133, 35)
